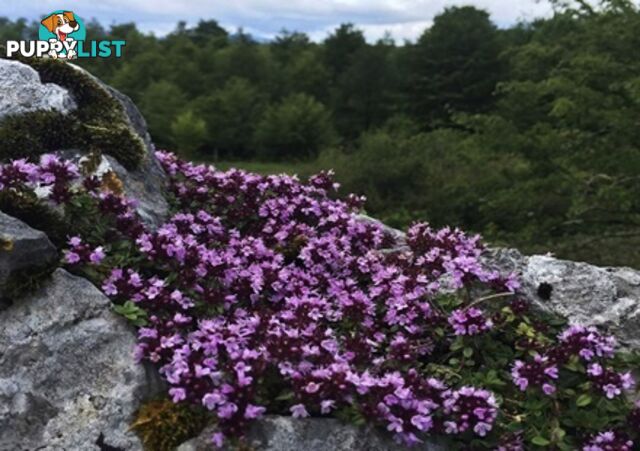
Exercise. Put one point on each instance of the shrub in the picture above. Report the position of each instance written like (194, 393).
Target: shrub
(298, 127)
(231, 114)
(189, 132)
(263, 294)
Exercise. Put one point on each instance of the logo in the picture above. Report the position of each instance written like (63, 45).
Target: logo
(62, 35)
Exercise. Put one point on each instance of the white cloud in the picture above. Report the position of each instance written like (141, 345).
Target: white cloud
(405, 19)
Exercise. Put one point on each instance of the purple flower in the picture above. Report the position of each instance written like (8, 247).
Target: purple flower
(608, 381)
(585, 342)
(470, 321)
(71, 258)
(609, 440)
(299, 411)
(218, 439)
(540, 372)
(470, 408)
(97, 255)
(326, 406)
(178, 394)
(252, 412)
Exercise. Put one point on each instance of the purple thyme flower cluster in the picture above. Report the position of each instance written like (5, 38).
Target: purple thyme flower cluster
(585, 343)
(57, 175)
(17, 173)
(470, 408)
(608, 381)
(453, 252)
(512, 442)
(265, 292)
(59, 180)
(80, 252)
(609, 441)
(263, 284)
(52, 176)
(469, 321)
(540, 372)
(122, 212)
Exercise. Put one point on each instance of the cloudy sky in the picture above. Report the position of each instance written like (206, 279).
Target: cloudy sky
(404, 19)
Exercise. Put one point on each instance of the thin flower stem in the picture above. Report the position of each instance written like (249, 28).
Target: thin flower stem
(487, 298)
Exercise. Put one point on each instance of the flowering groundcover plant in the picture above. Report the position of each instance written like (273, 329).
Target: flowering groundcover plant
(268, 295)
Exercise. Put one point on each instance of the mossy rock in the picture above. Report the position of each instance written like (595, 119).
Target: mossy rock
(33, 212)
(33, 133)
(99, 124)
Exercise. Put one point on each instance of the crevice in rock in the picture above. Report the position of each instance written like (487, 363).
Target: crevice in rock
(105, 447)
(544, 291)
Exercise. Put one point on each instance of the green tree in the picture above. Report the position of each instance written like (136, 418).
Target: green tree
(244, 58)
(161, 102)
(231, 114)
(456, 65)
(364, 96)
(340, 46)
(207, 31)
(289, 44)
(297, 127)
(189, 133)
(306, 73)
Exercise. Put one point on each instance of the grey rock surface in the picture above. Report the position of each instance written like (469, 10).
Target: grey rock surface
(146, 186)
(21, 91)
(22, 248)
(68, 380)
(582, 293)
(278, 433)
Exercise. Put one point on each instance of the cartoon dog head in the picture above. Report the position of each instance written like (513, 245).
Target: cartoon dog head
(61, 24)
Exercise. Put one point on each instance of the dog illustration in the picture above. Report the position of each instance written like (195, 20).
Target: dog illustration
(61, 24)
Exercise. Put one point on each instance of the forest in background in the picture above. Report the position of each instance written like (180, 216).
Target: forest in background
(529, 135)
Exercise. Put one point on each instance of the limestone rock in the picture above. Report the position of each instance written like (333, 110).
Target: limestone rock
(21, 91)
(68, 380)
(278, 433)
(22, 248)
(582, 293)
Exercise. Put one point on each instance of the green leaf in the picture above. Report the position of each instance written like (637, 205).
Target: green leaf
(285, 396)
(583, 400)
(132, 312)
(457, 344)
(540, 441)
(467, 352)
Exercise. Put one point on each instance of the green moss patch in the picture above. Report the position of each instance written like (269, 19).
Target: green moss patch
(99, 124)
(30, 210)
(163, 425)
